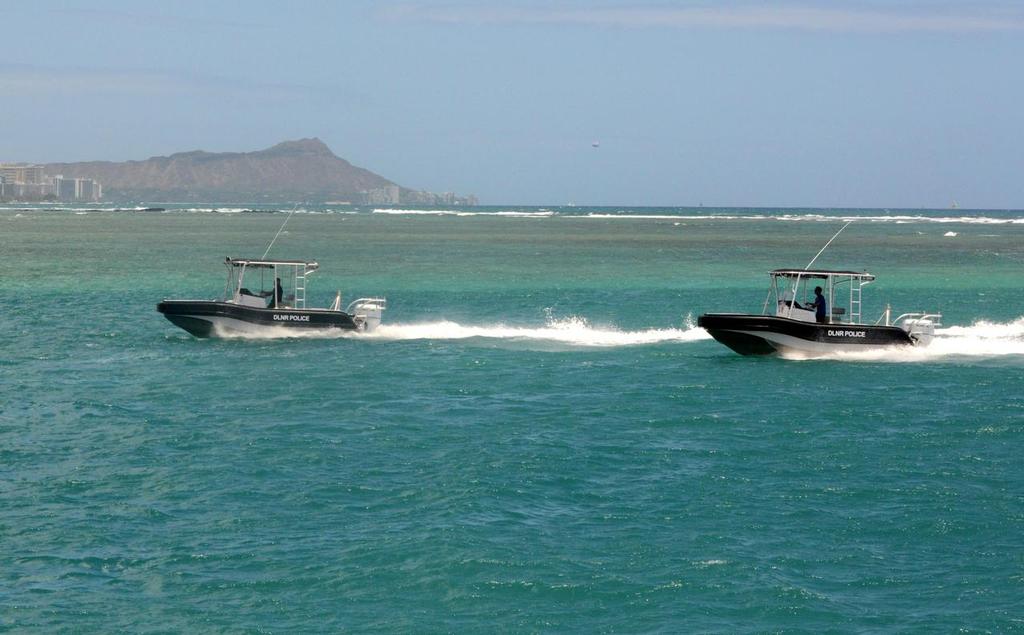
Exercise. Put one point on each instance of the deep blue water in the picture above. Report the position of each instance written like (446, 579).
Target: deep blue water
(537, 440)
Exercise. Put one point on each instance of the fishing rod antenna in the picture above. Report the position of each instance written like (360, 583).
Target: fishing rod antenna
(827, 244)
(287, 218)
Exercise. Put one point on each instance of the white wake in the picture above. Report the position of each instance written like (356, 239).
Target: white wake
(982, 339)
(572, 331)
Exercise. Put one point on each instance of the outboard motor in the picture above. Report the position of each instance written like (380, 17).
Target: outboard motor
(921, 327)
(366, 312)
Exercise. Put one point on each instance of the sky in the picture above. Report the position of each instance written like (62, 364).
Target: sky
(810, 103)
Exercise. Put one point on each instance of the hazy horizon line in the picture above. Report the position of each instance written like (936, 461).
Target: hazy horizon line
(792, 16)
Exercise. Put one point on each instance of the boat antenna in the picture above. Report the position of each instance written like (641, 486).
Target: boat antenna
(279, 232)
(827, 244)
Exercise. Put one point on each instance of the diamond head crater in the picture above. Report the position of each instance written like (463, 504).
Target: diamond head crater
(303, 169)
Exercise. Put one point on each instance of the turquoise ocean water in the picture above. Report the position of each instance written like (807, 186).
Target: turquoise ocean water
(537, 439)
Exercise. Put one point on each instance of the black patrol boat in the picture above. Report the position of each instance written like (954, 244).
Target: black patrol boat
(277, 305)
(788, 326)
(808, 329)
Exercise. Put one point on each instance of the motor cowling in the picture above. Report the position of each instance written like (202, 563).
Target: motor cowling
(920, 329)
(367, 312)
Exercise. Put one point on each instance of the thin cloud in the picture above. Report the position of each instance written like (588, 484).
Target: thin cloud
(41, 81)
(162, 20)
(794, 17)
(38, 81)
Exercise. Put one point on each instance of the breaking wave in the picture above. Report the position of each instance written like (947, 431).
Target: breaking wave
(452, 212)
(987, 217)
(897, 219)
(250, 210)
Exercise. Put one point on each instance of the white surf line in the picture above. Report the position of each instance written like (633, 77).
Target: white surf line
(446, 212)
(899, 219)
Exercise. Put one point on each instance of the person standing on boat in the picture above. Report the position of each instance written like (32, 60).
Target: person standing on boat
(278, 293)
(820, 307)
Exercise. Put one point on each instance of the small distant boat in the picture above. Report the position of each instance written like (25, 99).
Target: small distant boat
(787, 326)
(279, 303)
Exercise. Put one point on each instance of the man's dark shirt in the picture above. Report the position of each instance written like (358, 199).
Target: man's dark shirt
(820, 308)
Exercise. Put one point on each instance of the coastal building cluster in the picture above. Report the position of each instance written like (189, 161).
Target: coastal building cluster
(395, 195)
(27, 182)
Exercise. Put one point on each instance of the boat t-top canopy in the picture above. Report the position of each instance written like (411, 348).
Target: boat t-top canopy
(791, 287)
(822, 273)
(310, 265)
(295, 274)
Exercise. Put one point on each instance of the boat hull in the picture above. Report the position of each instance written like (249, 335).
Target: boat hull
(770, 335)
(224, 319)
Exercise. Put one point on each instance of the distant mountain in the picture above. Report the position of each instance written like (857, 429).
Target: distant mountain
(305, 169)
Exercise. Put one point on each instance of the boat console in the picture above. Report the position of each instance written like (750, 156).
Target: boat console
(793, 310)
(244, 297)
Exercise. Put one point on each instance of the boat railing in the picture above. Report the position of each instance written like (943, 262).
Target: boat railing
(886, 315)
(367, 303)
(934, 318)
(920, 327)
